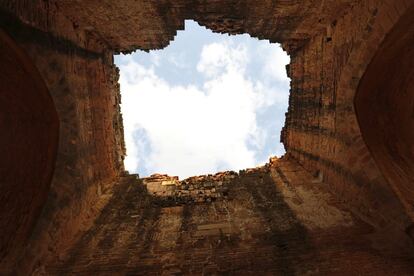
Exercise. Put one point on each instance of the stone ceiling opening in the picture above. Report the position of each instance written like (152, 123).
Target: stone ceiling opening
(207, 103)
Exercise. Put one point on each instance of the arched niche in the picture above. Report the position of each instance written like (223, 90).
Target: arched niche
(384, 104)
(28, 145)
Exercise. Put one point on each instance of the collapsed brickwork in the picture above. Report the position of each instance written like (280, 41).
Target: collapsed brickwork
(196, 189)
(327, 134)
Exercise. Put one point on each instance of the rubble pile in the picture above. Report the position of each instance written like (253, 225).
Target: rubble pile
(196, 189)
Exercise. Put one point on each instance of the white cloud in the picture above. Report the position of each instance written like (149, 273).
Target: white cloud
(273, 58)
(178, 60)
(217, 58)
(197, 129)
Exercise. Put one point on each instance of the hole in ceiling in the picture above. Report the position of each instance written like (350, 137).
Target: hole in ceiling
(207, 103)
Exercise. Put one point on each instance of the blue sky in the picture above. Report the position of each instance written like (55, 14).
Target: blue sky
(206, 103)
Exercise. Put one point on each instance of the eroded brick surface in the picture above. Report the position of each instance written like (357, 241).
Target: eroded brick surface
(197, 189)
(272, 222)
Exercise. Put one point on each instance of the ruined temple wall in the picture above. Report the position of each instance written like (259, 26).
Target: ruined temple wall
(75, 59)
(83, 83)
(322, 130)
(273, 220)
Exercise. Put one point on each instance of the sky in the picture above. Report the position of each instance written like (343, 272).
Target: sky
(206, 103)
